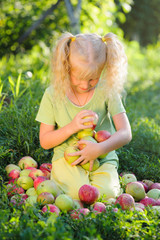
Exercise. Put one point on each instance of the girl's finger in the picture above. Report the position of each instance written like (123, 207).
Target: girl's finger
(79, 160)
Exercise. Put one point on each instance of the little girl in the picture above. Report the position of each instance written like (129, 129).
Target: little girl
(88, 77)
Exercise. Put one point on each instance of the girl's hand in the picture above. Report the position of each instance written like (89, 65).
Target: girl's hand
(77, 123)
(88, 154)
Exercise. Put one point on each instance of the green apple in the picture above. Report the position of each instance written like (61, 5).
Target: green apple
(25, 182)
(48, 186)
(31, 192)
(71, 149)
(154, 193)
(103, 156)
(94, 122)
(31, 200)
(64, 202)
(26, 162)
(25, 172)
(95, 165)
(85, 132)
(136, 190)
(11, 167)
(127, 178)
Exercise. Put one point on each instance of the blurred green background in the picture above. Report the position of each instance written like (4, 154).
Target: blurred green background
(28, 31)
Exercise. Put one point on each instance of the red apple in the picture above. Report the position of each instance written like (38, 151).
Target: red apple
(31, 168)
(12, 189)
(18, 199)
(14, 174)
(10, 167)
(26, 162)
(99, 206)
(155, 185)
(46, 166)
(158, 202)
(126, 201)
(148, 182)
(144, 185)
(78, 213)
(102, 135)
(148, 201)
(45, 198)
(35, 173)
(139, 205)
(51, 208)
(88, 194)
(94, 122)
(38, 180)
(46, 174)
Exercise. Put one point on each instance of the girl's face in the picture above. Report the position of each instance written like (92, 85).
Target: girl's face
(83, 85)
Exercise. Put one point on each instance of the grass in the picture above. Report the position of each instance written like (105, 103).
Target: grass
(23, 80)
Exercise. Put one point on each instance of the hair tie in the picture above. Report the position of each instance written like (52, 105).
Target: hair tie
(103, 39)
(73, 39)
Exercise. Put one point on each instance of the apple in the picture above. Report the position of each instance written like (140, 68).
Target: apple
(136, 190)
(12, 189)
(85, 132)
(71, 149)
(158, 202)
(31, 200)
(48, 186)
(79, 213)
(64, 202)
(25, 172)
(26, 162)
(12, 181)
(45, 198)
(138, 209)
(109, 201)
(88, 138)
(25, 182)
(96, 165)
(31, 168)
(94, 122)
(99, 206)
(77, 204)
(144, 185)
(123, 173)
(13, 174)
(102, 135)
(31, 192)
(148, 201)
(148, 182)
(46, 166)
(35, 173)
(154, 193)
(46, 174)
(126, 201)
(38, 180)
(18, 199)
(155, 186)
(51, 208)
(139, 205)
(10, 167)
(127, 178)
(88, 194)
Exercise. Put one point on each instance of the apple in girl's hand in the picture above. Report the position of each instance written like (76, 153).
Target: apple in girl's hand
(64, 202)
(10, 167)
(26, 162)
(88, 138)
(102, 135)
(46, 166)
(71, 149)
(96, 165)
(85, 132)
(25, 182)
(88, 194)
(45, 198)
(94, 122)
(14, 174)
(35, 173)
(126, 201)
(38, 180)
(51, 208)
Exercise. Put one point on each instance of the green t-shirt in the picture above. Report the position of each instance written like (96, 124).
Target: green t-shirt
(61, 113)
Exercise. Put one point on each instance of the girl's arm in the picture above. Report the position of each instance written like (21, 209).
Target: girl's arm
(121, 137)
(49, 137)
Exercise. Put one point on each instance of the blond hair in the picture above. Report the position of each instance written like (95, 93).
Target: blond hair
(100, 55)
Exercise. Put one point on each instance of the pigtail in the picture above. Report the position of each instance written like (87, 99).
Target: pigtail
(60, 65)
(115, 70)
